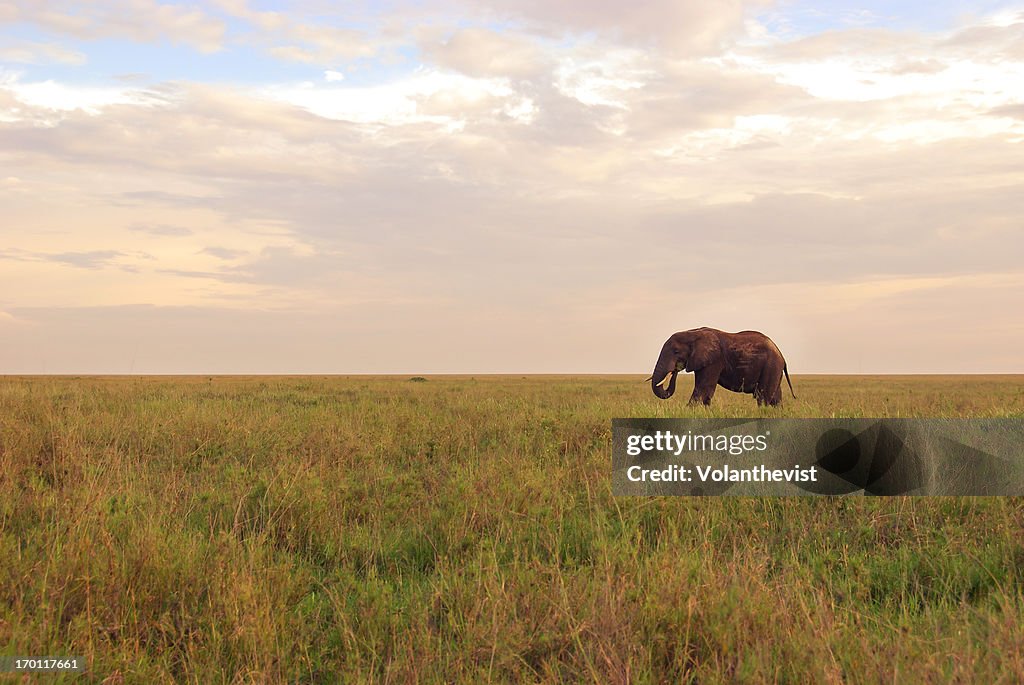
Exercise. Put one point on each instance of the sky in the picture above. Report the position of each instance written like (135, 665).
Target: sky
(456, 186)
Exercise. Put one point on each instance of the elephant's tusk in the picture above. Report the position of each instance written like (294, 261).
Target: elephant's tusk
(648, 378)
(664, 381)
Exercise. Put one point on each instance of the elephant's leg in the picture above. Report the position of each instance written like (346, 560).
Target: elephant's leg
(704, 383)
(769, 386)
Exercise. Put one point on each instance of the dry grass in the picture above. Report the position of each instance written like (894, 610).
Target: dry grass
(463, 530)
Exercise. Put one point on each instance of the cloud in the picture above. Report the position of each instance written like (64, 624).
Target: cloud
(94, 259)
(994, 37)
(687, 27)
(483, 53)
(145, 21)
(274, 266)
(917, 66)
(35, 52)
(862, 43)
(319, 40)
(1012, 110)
(603, 179)
(161, 229)
(427, 96)
(41, 99)
(265, 20)
(223, 253)
(330, 44)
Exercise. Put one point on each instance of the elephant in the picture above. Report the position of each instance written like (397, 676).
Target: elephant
(747, 362)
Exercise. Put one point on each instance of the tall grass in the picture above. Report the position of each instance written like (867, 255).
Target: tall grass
(215, 530)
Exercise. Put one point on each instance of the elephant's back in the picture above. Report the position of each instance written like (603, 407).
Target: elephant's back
(755, 339)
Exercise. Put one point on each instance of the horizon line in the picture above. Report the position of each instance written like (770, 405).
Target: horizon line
(468, 374)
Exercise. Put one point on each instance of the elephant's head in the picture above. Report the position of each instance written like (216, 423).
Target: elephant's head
(684, 351)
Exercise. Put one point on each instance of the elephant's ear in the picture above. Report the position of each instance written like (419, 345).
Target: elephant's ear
(704, 350)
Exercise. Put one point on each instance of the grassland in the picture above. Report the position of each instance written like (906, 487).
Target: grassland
(463, 530)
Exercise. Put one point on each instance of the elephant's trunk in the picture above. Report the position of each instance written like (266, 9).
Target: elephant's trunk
(664, 367)
(662, 392)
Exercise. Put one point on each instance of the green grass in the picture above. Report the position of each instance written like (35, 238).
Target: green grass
(463, 530)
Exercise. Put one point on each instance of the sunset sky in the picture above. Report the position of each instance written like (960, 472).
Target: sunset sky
(509, 187)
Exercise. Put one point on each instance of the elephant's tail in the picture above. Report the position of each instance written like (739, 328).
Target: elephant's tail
(786, 371)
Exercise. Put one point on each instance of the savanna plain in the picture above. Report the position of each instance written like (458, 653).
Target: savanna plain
(463, 530)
